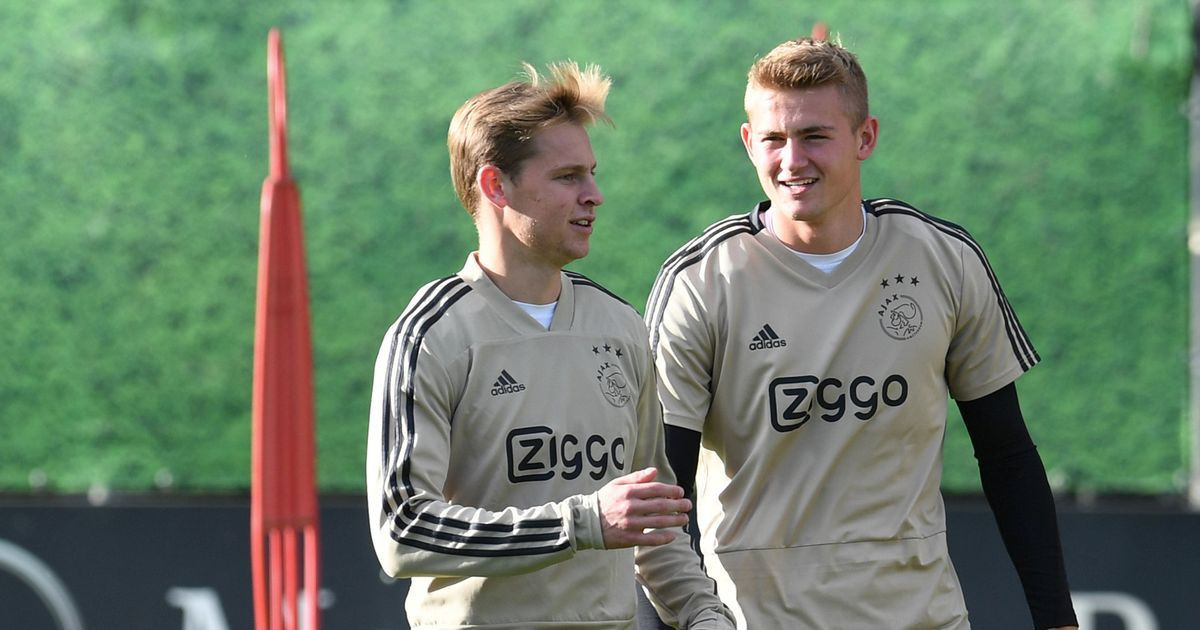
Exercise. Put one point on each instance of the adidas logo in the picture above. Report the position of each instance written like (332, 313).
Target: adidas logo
(766, 339)
(506, 384)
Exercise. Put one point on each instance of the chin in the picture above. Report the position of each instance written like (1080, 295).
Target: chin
(569, 257)
(802, 211)
(788, 208)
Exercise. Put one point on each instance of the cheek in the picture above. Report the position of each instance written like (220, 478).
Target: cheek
(765, 160)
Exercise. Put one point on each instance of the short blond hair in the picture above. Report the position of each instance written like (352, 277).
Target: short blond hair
(810, 63)
(497, 126)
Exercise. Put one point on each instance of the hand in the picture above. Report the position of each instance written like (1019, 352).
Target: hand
(631, 504)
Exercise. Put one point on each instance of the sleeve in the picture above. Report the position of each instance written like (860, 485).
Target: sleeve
(671, 574)
(1014, 482)
(989, 348)
(683, 452)
(682, 348)
(415, 530)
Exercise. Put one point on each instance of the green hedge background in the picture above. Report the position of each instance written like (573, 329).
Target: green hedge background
(133, 149)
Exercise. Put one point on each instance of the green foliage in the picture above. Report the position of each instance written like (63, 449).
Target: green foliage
(133, 147)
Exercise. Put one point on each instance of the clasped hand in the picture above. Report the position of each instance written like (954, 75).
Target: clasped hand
(634, 508)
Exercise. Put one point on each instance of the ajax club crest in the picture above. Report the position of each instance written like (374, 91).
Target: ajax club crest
(900, 314)
(613, 383)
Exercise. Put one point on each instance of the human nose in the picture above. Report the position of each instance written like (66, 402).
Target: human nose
(591, 193)
(793, 157)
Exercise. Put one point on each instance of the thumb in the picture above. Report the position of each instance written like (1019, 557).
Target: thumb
(639, 476)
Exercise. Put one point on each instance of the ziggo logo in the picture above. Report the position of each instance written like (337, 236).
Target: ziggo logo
(793, 398)
(537, 454)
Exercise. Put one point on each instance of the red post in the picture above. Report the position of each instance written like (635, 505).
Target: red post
(283, 502)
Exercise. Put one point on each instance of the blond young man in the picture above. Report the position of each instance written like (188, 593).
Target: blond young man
(806, 351)
(515, 457)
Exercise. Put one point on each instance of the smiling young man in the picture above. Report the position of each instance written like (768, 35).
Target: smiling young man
(806, 352)
(515, 454)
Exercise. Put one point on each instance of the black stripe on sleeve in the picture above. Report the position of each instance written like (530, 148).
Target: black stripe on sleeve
(405, 343)
(483, 527)
(1022, 347)
(456, 551)
(691, 253)
(422, 530)
(579, 279)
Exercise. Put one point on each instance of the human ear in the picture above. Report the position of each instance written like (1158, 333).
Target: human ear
(868, 135)
(490, 181)
(746, 131)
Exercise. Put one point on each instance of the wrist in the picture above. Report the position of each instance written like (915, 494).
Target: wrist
(583, 516)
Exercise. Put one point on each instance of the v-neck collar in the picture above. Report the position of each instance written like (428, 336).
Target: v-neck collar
(506, 309)
(803, 268)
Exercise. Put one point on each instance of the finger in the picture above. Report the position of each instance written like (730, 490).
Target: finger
(653, 538)
(660, 506)
(655, 491)
(658, 521)
(644, 475)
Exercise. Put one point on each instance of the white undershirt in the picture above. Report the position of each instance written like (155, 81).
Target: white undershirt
(824, 262)
(543, 313)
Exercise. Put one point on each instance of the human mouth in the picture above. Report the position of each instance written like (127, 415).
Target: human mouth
(795, 184)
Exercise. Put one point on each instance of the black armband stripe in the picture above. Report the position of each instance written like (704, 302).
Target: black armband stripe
(492, 553)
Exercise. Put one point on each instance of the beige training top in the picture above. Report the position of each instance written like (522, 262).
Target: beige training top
(822, 401)
(489, 437)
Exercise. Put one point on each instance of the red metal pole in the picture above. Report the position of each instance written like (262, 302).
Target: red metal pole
(291, 578)
(283, 481)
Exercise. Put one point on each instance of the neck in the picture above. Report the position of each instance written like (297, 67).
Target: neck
(530, 283)
(825, 236)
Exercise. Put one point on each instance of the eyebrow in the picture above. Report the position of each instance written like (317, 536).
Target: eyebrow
(572, 168)
(802, 130)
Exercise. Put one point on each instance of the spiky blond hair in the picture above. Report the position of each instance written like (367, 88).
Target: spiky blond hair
(496, 126)
(809, 63)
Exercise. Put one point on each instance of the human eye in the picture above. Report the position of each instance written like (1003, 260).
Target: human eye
(817, 135)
